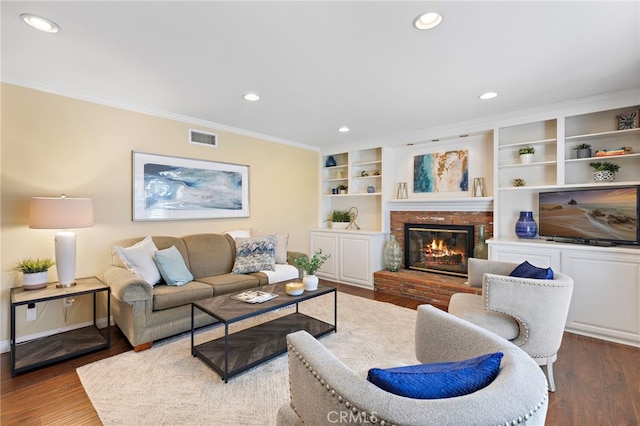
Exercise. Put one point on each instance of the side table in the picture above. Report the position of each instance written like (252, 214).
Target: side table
(57, 347)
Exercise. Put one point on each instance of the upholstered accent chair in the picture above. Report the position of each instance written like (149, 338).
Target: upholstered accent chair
(530, 313)
(326, 391)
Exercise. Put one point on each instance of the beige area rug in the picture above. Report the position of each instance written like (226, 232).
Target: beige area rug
(165, 385)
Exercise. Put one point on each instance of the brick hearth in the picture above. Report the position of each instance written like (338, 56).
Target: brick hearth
(432, 288)
(435, 289)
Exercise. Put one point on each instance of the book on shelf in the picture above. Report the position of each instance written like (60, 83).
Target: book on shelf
(254, 296)
(617, 151)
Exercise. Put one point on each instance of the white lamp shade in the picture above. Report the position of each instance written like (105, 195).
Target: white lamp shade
(60, 213)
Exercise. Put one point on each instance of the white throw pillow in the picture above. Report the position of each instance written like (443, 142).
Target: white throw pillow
(239, 233)
(282, 242)
(139, 259)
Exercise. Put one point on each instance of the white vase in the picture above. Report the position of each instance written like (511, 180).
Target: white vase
(35, 281)
(310, 282)
(526, 158)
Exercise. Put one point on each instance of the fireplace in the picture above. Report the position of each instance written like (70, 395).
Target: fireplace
(443, 249)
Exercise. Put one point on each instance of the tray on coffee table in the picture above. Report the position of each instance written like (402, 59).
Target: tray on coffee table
(237, 352)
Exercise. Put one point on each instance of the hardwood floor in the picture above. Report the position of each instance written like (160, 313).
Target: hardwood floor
(598, 383)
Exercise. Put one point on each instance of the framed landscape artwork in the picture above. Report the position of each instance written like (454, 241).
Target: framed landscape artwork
(441, 172)
(174, 188)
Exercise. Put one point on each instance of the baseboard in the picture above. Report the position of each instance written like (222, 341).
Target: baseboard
(5, 345)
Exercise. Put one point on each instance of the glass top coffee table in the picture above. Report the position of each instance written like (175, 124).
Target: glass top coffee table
(242, 350)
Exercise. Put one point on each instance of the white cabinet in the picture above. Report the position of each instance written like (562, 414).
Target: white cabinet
(355, 255)
(606, 294)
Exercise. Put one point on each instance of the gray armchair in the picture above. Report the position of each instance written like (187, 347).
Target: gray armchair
(530, 313)
(325, 391)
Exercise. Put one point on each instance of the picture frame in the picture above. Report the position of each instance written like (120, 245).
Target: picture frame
(176, 188)
(628, 120)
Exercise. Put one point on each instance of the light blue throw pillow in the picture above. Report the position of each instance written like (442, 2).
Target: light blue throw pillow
(438, 380)
(172, 267)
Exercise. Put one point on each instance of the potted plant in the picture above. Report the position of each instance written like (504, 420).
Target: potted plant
(342, 189)
(526, 154)
(604, 171)
(310, 266)
(583, 150)
(35, 272)
(340, 219)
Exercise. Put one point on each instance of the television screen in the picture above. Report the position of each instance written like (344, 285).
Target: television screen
(591, 215)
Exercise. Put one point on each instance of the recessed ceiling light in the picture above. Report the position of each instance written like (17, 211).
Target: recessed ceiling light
(344, 129)
(251, 97)
(428, 20)
(488, 95)
(40, 23)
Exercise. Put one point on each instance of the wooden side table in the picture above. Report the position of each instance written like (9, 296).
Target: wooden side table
(57, 347)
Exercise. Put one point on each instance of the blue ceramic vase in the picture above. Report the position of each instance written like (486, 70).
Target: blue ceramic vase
(526, 226)
(331, 161)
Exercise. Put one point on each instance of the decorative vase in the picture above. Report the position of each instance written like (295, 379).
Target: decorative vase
(480, 250)
(310, 282)
(35, 281)
(371, 189)
(339, 225)
(526, 226)
(331, 161)
(604, 176)
(526, 158)
(392, 254)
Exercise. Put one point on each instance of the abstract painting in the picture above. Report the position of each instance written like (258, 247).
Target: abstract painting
(441, 172)
(174, 188)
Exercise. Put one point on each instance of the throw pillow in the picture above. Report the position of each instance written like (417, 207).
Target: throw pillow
(255, 254)
(139, 260)
(282, 242)
(527, 270)
(172, 267)
(239, 233)
(439, 380)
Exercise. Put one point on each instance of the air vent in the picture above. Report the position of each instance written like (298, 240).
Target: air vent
(203, 138)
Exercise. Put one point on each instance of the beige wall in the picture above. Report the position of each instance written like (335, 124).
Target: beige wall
(52, 144)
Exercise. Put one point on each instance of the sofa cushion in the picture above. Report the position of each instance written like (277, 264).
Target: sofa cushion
(172, 267)
(255, 254)
(139, 259)
(438, 380)
(209, 254)
(479, 267)
(282, 243)
(170, 296)
(471, 307)
(229, 283)
(527, 270)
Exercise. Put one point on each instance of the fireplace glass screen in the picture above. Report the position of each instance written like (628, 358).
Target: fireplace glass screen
(443, 249)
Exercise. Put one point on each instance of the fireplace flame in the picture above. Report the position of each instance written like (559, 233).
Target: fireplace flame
(439, 248)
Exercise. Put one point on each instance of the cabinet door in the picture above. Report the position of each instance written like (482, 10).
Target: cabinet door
(329, 244)
(541, 257)
(606, 294)
(355, 263)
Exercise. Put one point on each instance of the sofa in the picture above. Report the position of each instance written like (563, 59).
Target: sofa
(325, 391)
(151, 299)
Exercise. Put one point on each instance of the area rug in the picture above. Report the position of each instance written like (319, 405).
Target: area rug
(165, 385)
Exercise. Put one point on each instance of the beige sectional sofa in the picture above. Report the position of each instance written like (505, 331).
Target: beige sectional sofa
(146, 312)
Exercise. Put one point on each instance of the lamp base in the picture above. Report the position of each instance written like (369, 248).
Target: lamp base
(60, 285)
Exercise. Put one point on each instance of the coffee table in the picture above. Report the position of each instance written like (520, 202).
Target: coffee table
(242, 350)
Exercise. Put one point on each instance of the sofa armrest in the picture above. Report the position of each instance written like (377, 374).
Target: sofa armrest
(126, 286)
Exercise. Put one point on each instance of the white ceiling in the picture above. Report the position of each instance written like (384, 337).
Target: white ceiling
(321, 65)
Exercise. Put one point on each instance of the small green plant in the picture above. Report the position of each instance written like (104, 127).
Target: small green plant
(604, 166)
(340, 216)
(582, 146)
(32, 266)
(310, 264)
(342, 187)
(526, 150)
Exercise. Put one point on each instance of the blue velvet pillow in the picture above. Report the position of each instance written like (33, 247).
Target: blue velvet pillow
(439, 380)
(527, 270)
(172, 267)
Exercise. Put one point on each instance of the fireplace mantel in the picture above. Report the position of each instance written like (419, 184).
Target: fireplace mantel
(443, 203)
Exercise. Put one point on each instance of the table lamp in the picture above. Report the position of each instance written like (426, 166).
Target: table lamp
(62, 213)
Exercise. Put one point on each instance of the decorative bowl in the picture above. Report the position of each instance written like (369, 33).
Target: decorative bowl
(294, 289)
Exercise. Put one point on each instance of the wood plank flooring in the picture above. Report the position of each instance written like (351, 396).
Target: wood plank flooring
(598, 383)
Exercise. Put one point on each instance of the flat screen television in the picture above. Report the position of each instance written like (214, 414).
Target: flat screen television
(597, 216)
